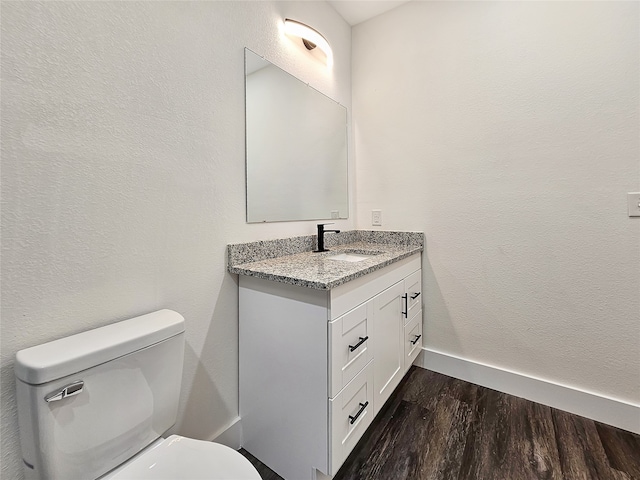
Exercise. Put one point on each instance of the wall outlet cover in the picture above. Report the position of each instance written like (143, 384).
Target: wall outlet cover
(376, 218)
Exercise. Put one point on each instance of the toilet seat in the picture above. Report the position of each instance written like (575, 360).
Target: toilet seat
(179, 457)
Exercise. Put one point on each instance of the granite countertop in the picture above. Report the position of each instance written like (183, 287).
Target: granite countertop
(316, 270)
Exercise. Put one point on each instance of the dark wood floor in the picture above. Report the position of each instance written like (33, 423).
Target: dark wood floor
(437, 427)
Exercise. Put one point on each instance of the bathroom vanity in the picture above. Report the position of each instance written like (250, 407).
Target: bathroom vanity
(325, 338)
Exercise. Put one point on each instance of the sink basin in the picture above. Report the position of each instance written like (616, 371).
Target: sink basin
(353, 255)
(349, 257)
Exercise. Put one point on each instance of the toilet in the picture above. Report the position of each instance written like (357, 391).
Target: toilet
(96, 406)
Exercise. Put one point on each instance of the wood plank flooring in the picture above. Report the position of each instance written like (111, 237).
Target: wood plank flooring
(265, 472)
(436, 427)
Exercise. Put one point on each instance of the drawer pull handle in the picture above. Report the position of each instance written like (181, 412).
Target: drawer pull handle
(406, 304)
(415, 295)
(416, 339)
(362, 340)
(352, 419)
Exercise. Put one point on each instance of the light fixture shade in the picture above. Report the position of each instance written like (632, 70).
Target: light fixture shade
(313, 37)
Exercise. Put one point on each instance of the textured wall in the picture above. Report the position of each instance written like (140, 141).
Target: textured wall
(508, 132)
(123, 175)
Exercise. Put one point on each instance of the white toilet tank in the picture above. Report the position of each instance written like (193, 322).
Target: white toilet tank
(89, 402)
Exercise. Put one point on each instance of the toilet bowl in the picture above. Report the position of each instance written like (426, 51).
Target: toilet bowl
(95, 406)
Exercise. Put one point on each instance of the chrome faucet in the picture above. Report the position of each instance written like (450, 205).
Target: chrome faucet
(321, 232)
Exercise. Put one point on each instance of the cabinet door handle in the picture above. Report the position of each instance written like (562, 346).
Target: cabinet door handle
(362, 340)
(414, 296)
(406, 304)
(352, 419)
(416, 339)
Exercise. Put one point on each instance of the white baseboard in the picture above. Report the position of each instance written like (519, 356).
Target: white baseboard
(231, 435)
(586, 404)
(318, 475)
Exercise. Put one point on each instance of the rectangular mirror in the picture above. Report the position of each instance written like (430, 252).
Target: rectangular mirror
(296, 148)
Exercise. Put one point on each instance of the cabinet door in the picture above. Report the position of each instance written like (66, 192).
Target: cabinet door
(388, 344)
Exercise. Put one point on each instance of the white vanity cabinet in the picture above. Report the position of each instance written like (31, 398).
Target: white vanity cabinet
(316, 366)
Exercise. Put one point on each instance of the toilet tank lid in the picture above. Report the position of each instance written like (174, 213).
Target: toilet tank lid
(69, 355)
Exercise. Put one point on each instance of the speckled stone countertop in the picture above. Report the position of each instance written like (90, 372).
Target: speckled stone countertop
(292, 261)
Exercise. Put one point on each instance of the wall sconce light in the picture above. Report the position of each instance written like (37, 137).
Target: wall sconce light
(310, 38)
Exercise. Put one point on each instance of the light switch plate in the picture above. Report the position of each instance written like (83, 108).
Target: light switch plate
(633, 199)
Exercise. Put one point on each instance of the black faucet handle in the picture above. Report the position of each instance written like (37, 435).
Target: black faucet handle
(321, 232)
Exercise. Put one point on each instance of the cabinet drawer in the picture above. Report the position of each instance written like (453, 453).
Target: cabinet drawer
(350, 346)
(413, 289)
(350, 413)
(412, 339)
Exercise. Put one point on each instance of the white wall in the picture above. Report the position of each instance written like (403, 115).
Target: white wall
(508, 132)
(123, 175)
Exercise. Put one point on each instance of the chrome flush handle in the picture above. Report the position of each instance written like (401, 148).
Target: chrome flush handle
(68, 391)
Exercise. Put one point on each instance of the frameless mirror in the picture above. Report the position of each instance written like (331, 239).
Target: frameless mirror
(296, 147)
